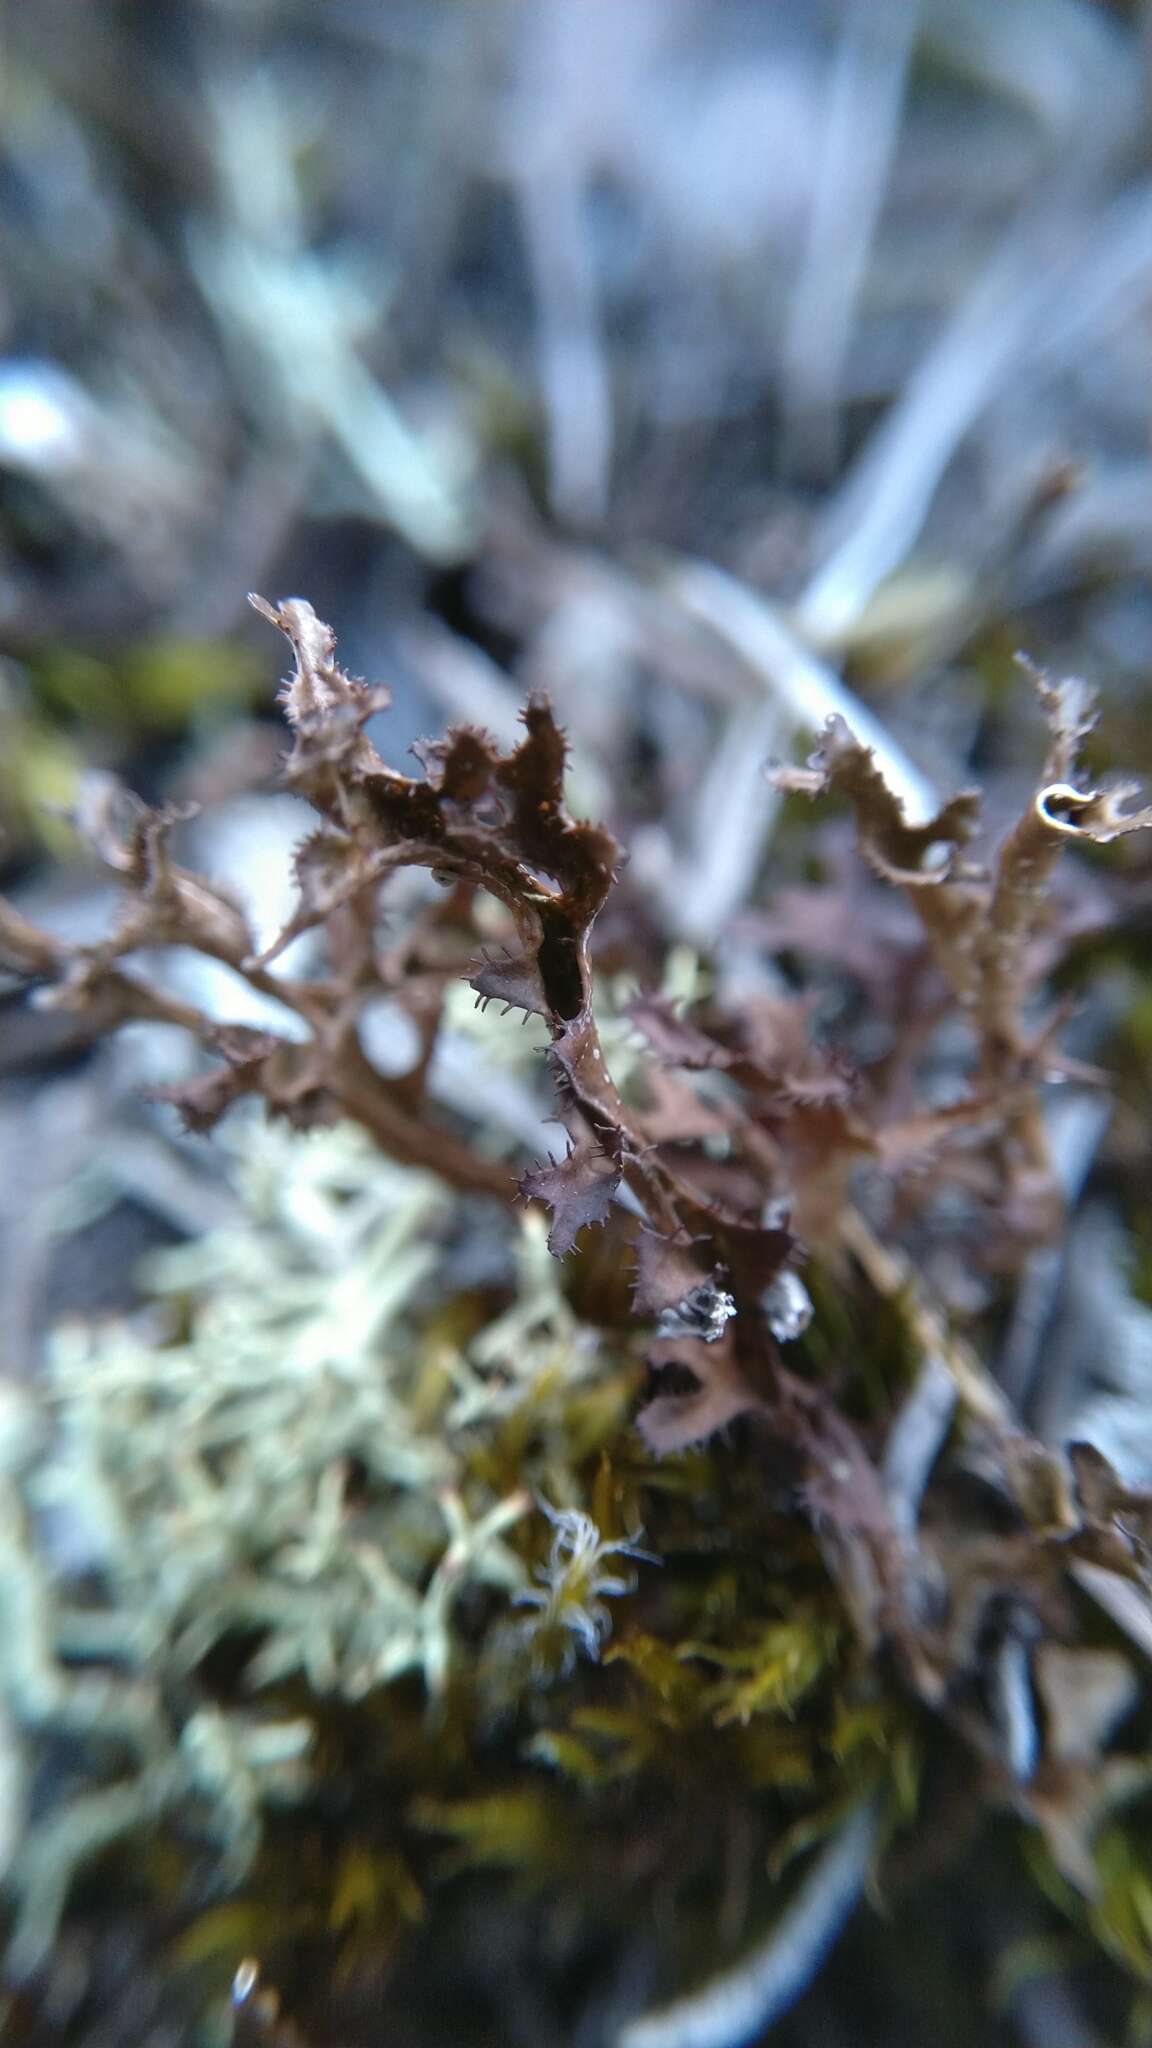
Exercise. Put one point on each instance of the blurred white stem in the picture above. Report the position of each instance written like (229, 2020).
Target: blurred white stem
(573, 367)
(853, 163)
(738, 2007)
(737, 806)
(808, 691)
(1042, 295)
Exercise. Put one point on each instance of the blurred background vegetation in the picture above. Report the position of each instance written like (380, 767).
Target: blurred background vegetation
(710, 363)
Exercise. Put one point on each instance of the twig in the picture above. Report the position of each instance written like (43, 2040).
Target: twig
(739, 2006)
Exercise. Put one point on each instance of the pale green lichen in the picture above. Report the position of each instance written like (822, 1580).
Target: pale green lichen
(288, 1451)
